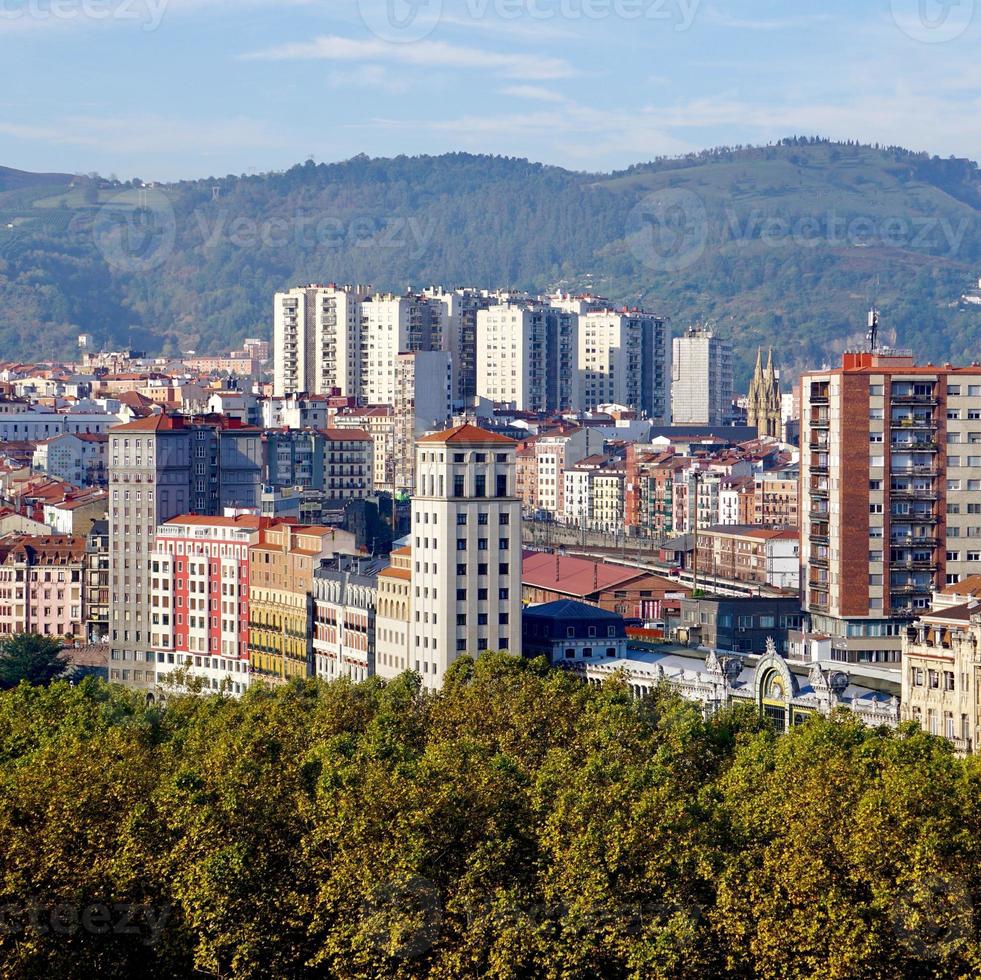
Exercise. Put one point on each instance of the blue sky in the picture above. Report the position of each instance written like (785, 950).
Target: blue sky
(165, 89)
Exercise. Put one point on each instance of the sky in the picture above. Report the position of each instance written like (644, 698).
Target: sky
(170, 89)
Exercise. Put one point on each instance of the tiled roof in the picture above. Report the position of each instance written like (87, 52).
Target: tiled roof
(467, 435)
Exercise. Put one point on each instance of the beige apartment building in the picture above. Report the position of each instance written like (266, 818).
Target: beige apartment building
(942, 674)
(394, 616)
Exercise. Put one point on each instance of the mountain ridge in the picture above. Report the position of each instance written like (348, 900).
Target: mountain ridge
(784, 244)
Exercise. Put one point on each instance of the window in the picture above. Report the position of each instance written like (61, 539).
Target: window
(461, 569)
(504, 519)
(875, 556)
(504, 594)
(875, 508)
(875, 437)
(953, 389)
(875, 484)
(953, 461)
(481, 595)
(458, 485)
(480, 489)
(461, 544)
(461, 520)
(461, 595)
(502, 485)
(954, 484)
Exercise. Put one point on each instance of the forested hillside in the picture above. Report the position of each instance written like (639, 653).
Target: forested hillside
(784, 244)
(516, 824)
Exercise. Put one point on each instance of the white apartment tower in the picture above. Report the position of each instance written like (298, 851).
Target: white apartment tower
(528, 357)
(624, 359)
(317, 340)
(701, 379)
(466, 550)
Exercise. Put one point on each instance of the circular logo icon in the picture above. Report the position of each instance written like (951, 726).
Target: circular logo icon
(667, 230)
(402, 918)
(135, 230)
(401, 21)
(933, 21)
(932, 914)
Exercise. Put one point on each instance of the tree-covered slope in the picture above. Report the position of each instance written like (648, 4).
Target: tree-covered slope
(784, 244)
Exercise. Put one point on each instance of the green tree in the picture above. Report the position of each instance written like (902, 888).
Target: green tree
(29, 657)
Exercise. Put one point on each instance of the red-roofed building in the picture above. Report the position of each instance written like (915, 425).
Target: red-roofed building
(634, 593)
(41, 585)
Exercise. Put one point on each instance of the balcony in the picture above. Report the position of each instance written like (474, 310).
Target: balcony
(917, 446)
(818, 515)
(819, 561)
(921, 517)
(912, 493)
(915, 470)
(908, 399)
(912, 588)
(929, 564)
(821, 422)
(911, 541)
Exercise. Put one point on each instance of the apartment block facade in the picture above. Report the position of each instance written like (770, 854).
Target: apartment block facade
(701, 378)
(890, 478)
(528, 357)
(161, 467)
(624, 358)
(199, 599)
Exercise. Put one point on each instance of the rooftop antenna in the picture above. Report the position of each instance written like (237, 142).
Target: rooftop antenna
(873, 335)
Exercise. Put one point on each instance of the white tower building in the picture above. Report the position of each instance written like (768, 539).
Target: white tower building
(466, 550)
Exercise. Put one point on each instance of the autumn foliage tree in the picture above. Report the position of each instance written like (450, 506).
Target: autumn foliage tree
(515, 824)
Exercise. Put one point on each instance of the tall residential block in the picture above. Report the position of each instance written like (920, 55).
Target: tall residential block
(423, 403)
(701, 378)
(466, 550)
(528, 357)
(624, 358)
(459, 308)
(317, 340)
(890, 495)
(160, 467)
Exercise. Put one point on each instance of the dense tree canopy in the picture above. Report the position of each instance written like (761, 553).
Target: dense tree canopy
(31, 658)
(516, 824)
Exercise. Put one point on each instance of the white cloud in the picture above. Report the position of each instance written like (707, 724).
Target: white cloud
(536, 93)
(422, 54)
(367, 76)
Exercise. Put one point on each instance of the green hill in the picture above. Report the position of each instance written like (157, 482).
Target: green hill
(783, 245)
